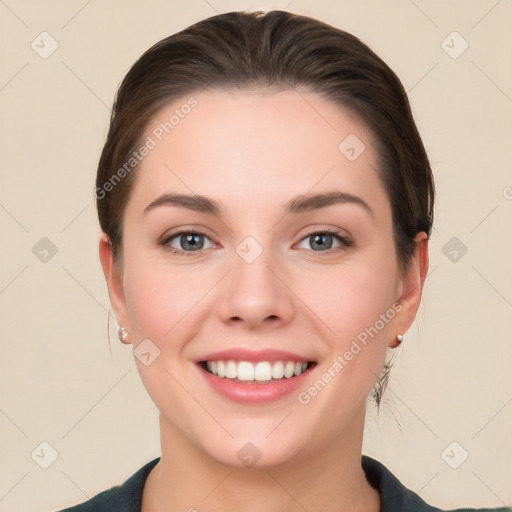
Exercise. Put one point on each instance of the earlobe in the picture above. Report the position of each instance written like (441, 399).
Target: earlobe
(113, 280)
(412, 283)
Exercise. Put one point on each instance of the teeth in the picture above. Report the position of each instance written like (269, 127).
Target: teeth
(221, 369)
(261, 372)
(289, 369)
(278, 370)
(231, 370)
(245, 370)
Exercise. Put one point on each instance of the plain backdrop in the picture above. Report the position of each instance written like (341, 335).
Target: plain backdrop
(66, 386)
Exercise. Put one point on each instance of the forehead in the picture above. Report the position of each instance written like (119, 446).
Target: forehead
(232, 144)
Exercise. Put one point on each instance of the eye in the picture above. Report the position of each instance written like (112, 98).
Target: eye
(186, 242)
(322, 241)
(193, 243)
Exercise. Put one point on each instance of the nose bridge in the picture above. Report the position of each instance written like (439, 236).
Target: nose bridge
(252, 293)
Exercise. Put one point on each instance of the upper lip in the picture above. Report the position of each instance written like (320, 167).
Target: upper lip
(243, 354)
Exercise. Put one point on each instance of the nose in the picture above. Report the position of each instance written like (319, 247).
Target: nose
(255, 294)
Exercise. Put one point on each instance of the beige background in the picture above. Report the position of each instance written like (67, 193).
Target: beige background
(64, 384)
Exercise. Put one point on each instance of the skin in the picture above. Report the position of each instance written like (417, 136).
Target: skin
(292, 297)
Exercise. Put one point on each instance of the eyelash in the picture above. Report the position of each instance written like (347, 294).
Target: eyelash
(345, 242)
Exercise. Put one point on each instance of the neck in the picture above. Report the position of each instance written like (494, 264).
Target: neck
(331, 480)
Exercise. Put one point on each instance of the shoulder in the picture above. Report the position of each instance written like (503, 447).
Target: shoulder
(395, 497)
(122, 498)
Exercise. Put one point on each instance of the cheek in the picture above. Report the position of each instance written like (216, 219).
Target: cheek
(356, 304)
(162, 298)
(353, 296)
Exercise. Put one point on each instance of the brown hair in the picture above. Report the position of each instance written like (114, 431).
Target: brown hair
(274, 50)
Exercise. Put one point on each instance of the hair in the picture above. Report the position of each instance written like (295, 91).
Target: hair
(273, 51)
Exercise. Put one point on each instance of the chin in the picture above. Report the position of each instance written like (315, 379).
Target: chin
(258, 452)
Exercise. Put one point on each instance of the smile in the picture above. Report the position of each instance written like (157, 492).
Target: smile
(262, 371)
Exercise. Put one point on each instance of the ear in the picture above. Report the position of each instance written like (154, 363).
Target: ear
(411, 287)
(114, 282)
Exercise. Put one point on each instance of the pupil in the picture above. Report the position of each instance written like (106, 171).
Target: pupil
(191, 241)
(317, 239)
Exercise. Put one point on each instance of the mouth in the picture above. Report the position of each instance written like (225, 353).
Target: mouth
(261, 372)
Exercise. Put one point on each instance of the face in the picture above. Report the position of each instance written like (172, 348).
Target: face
(257, 229)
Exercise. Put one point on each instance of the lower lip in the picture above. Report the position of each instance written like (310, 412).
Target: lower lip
(254, 392)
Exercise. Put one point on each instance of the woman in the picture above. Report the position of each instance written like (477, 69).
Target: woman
(266, 204)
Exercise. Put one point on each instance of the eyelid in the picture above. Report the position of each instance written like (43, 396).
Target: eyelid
(345, 240)
(165, 240)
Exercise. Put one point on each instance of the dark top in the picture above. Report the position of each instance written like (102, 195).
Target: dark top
(393, 495)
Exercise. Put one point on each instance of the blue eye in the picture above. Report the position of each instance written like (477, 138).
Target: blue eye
(322, 241)
(192, 243)
(189, 242)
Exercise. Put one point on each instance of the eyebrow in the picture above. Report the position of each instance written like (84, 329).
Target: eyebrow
(299, 204)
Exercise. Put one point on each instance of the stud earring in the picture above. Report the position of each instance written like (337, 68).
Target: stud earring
(123, 335)
(399, 338)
